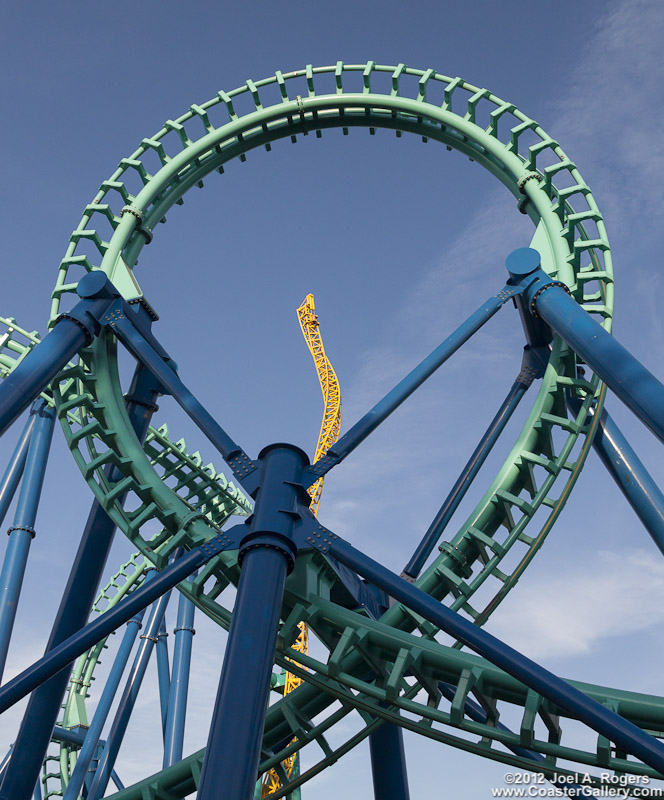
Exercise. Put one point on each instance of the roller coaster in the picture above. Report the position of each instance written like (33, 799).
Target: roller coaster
(405, 651)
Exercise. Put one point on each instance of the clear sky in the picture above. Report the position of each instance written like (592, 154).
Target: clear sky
(399, 241)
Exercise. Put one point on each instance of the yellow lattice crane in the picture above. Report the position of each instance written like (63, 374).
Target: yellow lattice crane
(329, 433)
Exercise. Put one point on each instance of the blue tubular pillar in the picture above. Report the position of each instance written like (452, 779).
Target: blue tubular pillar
(22, 532)
(177, 700)
(14, 470)
(465, 479)
(388, 763)
(633, 479)
(425, 369)
(628, 378)
(87, 752)
(625, 734)
(163, 674)
(231, 760)
(75, 606)
(129, 695)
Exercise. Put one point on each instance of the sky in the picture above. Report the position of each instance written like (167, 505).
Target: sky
(399, 241)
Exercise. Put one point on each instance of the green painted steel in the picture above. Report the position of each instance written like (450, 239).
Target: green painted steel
(531, 486)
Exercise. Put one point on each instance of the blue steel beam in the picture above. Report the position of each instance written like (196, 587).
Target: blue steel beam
(22, 531)
(266, 554)
(628, 736)
(388, 763)
(628, 378)
(465, 479)
(129, 695)
(425, 369)
(75, 605)
(93, 735)
(61, 656)
(629, 473)
(177, 700)
(163, 675)
(72, 331)
(12, 476)
(145, 353)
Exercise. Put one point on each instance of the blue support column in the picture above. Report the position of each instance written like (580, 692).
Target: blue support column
(625, 734)
(631, 476)
(61, 656)
(388, 763)
(93, 734)
(465, 479)
(628, 378)
(163, 673)
(23, 530)
(425, 369)
(266, 554)
(129, 695)
(12, 476)
(179, 689)
(77, 599)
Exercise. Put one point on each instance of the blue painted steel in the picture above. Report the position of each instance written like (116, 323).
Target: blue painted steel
(239, 715)
(628, 378)
(633, 479)
(22, 531)
(465, 479)
(71, 332)
(93, 735)
(177, 700)
(129, 695)
(265, 555)
(5, 760)
(142, 350)
(62, 655)
(628, 736)
(393, 399)
(163, 675)
(14, 470)
(37, 794)
(388, 763)
(116, 780)
(84, 577)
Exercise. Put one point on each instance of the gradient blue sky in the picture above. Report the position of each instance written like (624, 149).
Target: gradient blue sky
(398, 240)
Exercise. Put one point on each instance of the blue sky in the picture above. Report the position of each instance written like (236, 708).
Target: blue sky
(398, 240)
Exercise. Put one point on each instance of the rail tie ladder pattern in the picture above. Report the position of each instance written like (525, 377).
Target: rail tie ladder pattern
(383, 659)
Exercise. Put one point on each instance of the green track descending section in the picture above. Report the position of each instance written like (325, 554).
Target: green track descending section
(483, 560)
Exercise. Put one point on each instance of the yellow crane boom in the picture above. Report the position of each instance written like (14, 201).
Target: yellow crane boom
(329, 433)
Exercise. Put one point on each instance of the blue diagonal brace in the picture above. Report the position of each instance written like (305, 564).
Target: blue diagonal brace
(625, 734)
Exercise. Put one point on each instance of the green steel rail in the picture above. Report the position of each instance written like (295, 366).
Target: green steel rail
(531, 486)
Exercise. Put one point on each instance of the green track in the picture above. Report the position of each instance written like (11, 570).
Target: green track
(514, 515)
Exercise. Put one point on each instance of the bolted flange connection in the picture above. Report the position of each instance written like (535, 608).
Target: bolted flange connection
(280, 498)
